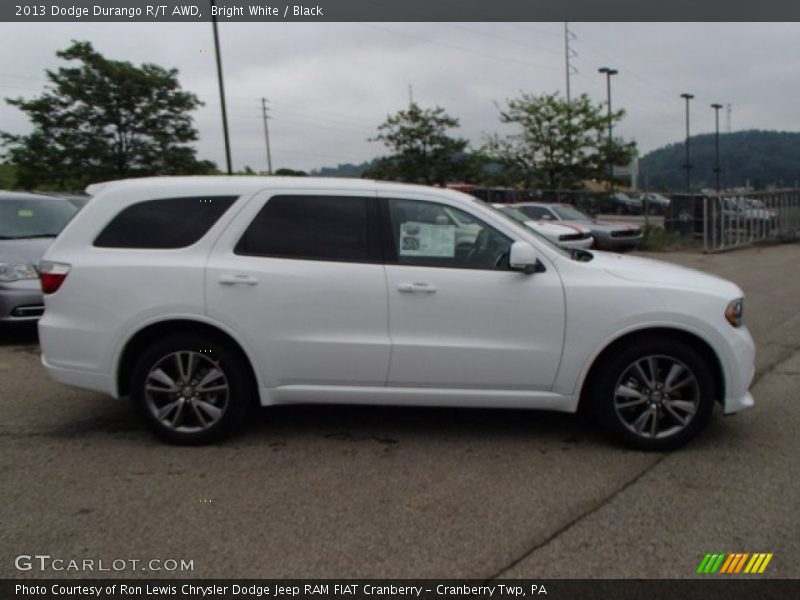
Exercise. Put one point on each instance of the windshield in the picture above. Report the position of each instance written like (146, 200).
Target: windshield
(515, 214)
(33, 217)
(528, 230)
(570, 213)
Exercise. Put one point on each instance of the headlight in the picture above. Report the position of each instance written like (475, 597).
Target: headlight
(734, 313)
(17, 271)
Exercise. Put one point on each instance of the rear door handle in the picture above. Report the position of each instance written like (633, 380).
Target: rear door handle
(238, 279)
(417, 288)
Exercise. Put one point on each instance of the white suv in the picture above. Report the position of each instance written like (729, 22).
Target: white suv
(200, 296)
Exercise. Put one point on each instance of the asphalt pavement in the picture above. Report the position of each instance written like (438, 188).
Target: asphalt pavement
(326, 491)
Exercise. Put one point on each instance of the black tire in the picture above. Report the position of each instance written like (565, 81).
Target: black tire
(608, 394)
(208, 354)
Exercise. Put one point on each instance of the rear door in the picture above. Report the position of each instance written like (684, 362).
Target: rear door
(459, 317)
(298, 275)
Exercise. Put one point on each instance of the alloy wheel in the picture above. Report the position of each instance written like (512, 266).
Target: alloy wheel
(657, 396)
(187, 391)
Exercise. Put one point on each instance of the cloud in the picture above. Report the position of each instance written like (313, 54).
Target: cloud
(330, 84)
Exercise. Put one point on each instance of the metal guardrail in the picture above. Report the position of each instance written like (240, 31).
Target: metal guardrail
(735, 220)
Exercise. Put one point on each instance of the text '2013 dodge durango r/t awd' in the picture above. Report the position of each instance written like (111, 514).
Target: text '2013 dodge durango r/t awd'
(201, 296)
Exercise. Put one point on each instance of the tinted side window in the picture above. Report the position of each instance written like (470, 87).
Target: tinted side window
(435, 235)
(313, 228)
(163, 223)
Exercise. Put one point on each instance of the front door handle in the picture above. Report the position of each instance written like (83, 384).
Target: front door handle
(238, 279)
(417, 288)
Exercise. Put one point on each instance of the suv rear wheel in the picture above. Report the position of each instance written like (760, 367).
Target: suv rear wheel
(191, 390)
(654, 395)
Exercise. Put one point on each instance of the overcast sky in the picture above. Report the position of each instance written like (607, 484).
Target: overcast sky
(331, 84)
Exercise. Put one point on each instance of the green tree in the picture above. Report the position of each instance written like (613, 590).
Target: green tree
(290, 172)
(104, 119)
(422, 150)
(8, 177)
(557, 145)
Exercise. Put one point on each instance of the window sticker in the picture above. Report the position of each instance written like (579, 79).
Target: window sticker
(24, 212)
(427, 239)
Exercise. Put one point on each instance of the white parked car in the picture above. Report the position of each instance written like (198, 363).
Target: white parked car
(200, 296)
(569, 236)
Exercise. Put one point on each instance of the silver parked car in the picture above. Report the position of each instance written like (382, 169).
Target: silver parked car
(28, 225)
(607, 236)
(657, 204)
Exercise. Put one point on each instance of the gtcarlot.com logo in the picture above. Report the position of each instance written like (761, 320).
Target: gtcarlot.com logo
(46, 562)
(734, 563)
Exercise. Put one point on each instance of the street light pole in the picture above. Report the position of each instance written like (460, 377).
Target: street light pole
(608, 73)
(687, 165)
(221, 91)
(717, 170)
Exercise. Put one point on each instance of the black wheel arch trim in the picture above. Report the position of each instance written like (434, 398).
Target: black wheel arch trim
(688, 337)
(145, 336)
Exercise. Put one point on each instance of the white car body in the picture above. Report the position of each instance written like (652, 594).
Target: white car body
(560, 233)
(349, 332)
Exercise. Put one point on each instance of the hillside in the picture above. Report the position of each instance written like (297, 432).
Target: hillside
(764, 158)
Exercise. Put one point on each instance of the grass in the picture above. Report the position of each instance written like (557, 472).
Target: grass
(658, 239)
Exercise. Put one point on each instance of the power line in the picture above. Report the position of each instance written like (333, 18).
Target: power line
(503, 59)
(503, 39)
(528, 30)
(663, 107)
(606, 56)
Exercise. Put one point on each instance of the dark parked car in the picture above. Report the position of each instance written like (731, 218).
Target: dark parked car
(28, 224)
(623, 204)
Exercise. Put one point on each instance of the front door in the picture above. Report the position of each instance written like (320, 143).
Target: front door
(459, 317)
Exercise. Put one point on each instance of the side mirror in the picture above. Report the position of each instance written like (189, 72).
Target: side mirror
(523, 257)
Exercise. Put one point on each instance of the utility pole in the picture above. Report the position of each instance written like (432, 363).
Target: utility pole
(264, 110)
(687, 165)
(410, 94)
(717, 170)
(608, 73)
(569, 54)
(728, 128)
(221, 92)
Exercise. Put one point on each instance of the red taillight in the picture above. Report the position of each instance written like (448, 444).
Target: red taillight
(52, 275)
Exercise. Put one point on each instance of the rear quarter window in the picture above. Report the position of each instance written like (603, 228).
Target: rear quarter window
(164, 223)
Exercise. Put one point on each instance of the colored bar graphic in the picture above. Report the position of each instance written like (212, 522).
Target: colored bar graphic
(703, 563)
(765, 563)
(727, 564)
(718, 562)
(754, 562)
(740, 564)
(734, 563)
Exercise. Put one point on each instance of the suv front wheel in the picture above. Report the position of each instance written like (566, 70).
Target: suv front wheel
(191, 390)
(654, 395)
